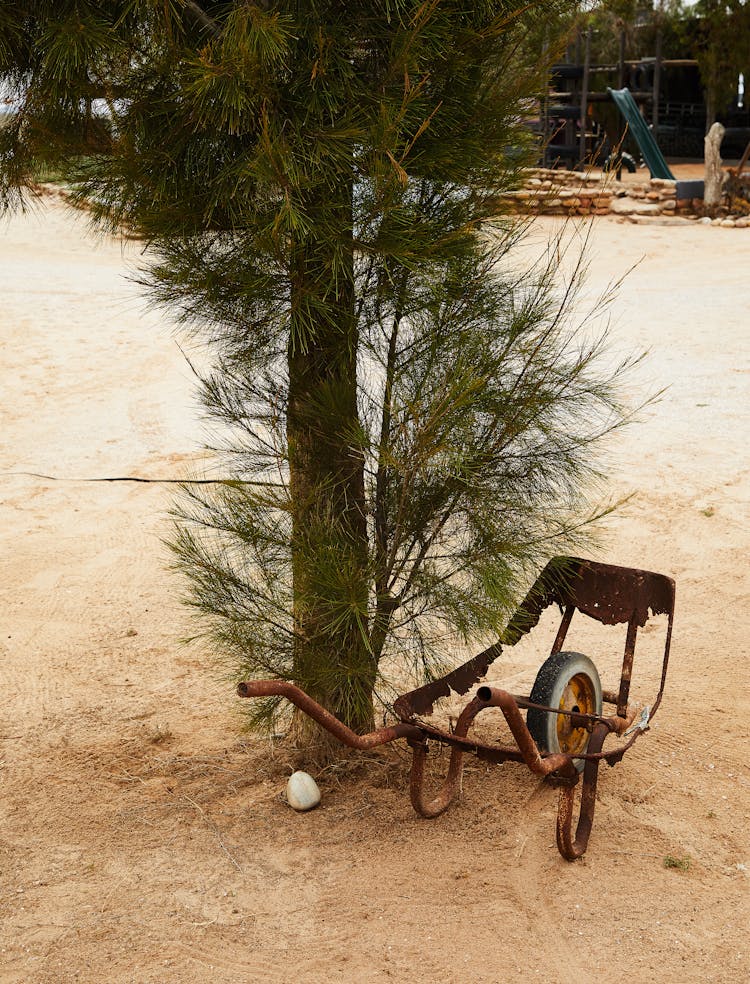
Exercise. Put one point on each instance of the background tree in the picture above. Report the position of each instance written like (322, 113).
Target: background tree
(613, 20)
(640, 21)
(718, 35)
(407, 420)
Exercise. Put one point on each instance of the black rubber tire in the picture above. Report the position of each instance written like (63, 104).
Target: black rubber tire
(623, 160)
(553, 677)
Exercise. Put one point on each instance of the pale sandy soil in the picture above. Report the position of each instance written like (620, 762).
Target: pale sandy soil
(143, 839)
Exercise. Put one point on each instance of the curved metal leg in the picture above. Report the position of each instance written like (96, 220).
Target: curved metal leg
(573, 848)
(438, 804)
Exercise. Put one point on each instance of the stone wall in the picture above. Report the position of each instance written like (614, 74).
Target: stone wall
(556, 192)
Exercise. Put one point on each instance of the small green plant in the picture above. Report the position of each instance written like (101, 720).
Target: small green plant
(711, 815)
(681, 864)
(708, 511)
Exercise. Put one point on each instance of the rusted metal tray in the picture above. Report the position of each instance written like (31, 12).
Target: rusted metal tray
(563, 734)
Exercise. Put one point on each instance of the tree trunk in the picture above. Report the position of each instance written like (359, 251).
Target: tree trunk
(714, 175)
(332, 658)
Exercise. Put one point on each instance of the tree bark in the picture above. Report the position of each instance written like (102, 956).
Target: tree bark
(714, 175)
(332, 658)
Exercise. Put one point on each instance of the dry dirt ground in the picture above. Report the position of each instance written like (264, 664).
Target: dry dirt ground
(142, 836)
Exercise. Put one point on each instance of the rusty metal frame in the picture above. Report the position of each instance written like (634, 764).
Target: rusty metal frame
(610, 595)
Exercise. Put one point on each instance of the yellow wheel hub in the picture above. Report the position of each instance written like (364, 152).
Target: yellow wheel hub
(578, 697)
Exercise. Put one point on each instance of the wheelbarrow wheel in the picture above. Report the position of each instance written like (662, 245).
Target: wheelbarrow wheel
(568, 681)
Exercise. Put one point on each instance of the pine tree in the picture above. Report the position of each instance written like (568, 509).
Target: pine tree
(407, 421)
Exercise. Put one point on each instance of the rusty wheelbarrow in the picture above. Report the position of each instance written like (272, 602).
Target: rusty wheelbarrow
(563, 734)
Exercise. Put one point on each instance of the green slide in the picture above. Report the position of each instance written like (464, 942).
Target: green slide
(644, 138)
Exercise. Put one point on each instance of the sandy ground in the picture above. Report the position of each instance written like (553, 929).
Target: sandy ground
(142, 837)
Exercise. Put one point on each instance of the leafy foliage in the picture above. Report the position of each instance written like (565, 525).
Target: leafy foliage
(718, 36)
(479, 406)
(713, 32)
(314, 182)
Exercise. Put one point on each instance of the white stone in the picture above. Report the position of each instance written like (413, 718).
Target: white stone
(302, 791)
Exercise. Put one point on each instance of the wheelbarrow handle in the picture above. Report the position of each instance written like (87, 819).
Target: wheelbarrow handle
(281, 688)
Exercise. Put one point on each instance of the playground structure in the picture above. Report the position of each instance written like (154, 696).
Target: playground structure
(652, 156)
(565, 729)
(596, 142)
(578, 127)
(737, 178)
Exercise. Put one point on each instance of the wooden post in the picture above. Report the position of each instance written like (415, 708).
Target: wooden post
(714, 181)
(544, 106)
(585, 97)
(620, 84)
(657, 85)
(570, 125)
(743, 161)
